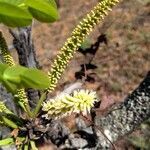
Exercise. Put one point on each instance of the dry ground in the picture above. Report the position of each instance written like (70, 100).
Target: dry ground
(122, 63)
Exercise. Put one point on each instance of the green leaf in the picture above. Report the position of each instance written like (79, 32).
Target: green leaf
(8, 122)
(34, 78)
(15, 119)
(42, 10)
(10, 86)
(12, 74)
(11, 78)
(53, 3)
(3, 67)
(14, 2)
(14, 16)
(33, 146)
(21, 77)
(7, 141)
(26, 147)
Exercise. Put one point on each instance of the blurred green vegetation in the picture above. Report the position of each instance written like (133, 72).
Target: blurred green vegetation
(142, 141)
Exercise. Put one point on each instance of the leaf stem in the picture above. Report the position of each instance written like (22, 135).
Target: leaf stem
(39, 104)
(9, 122)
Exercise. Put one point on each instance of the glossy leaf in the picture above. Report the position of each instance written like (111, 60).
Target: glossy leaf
(3, 67)
(7, 141)
(11, 78)
(14, 16)
(12, 74)
(14, 2)
(42, 10)
(34, 78)
(21, 77)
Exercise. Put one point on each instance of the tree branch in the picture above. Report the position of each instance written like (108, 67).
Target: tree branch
(129, 115)
(122, 120)
(26, 54)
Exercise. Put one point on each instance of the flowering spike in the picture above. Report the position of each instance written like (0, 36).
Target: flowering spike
(8, 59)
(4, 109)
(77, 37)
(65, 104)
(4, 51)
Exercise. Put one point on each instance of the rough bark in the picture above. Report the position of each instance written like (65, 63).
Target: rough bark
(129, 115)
(122, 120)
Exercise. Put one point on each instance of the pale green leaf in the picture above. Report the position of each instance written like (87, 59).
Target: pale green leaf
(33, 146)
(3, 67)
(34, 78)
(14, 2)
(8, 122)
(14, 16)
(12, 74)
(7, 141)
(42, 10)
(10, 86)
(22, 77)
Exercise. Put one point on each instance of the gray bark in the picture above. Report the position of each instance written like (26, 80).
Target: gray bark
(8, 100)
(26, 54)
(122, 120)
(23, 43)
(129, 115)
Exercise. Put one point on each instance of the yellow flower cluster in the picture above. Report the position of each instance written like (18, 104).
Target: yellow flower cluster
(4, 109)
(8, 59)
(80, 101)
(4, 51)
(22, 97)
(77, 37)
